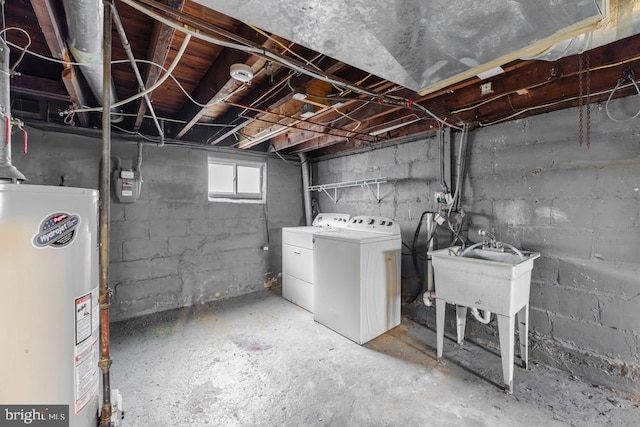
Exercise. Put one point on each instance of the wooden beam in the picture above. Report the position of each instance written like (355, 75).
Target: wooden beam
(258, 93)
(540, 82)
(350, 107)
(216, 84)
(543, 86)
(39, 87)
(263, 91)
(161, 39)
(371, 121)
(49, 19)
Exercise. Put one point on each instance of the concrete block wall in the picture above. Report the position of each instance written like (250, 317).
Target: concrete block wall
(532, 183)
(173, 247)
(580, 208)
(413, 172)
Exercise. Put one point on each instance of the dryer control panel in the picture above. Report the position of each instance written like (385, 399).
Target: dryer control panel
(375, 224)
(336, 220)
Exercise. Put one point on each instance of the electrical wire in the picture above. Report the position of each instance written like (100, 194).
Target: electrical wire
(287, 62)
(24, 48)
(460, 172)
(283, 116)
(443, 183)
(150, 89)
(592, 69)
(171, 120)
(547, 105)
(397, 101)
(325, 106)
(182, 89)
(260, 102)
(606, 105)
(290, 163)
(287, 48)
(141, 61)
(350, 112)
(130, 132)
(46, 58)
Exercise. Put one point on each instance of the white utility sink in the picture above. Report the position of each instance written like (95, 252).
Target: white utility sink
(490, 280)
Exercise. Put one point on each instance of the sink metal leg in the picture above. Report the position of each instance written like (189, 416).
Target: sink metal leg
(523, 333)
(461, 321)
(441, 308)
(506, 330)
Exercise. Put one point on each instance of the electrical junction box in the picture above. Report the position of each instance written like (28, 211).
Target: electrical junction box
(127, 184)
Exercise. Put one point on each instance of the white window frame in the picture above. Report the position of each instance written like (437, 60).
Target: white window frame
(235, 196)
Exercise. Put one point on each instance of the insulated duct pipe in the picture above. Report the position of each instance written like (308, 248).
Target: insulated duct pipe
(623, 21)
(306, 182)
(8, 172)
(85, 24)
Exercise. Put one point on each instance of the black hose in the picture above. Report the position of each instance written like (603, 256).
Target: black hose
(415, 256)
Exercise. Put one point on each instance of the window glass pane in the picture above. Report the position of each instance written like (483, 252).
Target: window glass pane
(221, 178)
(249, 179)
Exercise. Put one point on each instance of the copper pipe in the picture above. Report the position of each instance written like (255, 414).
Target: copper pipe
(105, 195)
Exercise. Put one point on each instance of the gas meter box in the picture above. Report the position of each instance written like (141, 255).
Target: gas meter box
(127, 184)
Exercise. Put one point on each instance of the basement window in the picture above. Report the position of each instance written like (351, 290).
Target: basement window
(237, 181)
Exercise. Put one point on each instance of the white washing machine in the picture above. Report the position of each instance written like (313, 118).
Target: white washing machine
(297, 257)
(357, 278)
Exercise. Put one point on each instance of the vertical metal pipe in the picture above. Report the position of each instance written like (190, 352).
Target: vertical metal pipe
(105, 196)
(430, 230)
(132, 60)
(305, 187)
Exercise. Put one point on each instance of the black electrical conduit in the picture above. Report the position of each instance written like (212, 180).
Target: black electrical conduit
(415, 256)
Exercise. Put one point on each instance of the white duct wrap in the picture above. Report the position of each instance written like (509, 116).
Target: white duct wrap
(85, 22)
(622, 21)
(8, 172)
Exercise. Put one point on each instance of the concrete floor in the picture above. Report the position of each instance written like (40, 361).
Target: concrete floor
(259, 360)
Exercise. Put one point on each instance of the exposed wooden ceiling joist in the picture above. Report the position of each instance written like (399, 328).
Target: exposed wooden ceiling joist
(48, 17)
(216, 84)
(39, 87)
(161, 38)
(265, 109)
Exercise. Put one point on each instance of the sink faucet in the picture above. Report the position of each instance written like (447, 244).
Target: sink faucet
(491, 242)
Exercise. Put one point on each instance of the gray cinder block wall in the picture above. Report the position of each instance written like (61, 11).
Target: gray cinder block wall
(532, 183)
(173, 247)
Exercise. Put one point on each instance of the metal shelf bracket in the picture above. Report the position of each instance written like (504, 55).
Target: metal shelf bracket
(368, 183)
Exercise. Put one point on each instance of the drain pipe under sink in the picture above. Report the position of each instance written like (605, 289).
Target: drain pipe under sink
(485, 317)
(430, 294)
(306, 182)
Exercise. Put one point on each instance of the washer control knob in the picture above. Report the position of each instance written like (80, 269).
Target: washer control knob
(382, 222)
(371, 221)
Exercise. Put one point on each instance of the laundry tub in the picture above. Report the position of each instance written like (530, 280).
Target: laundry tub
(486, 279)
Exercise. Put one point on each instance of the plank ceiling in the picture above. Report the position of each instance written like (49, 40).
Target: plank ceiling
(360, 107)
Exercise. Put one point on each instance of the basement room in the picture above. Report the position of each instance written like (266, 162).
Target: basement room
(319, 213)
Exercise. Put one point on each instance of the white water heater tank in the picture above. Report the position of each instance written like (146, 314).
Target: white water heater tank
(49, 312)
